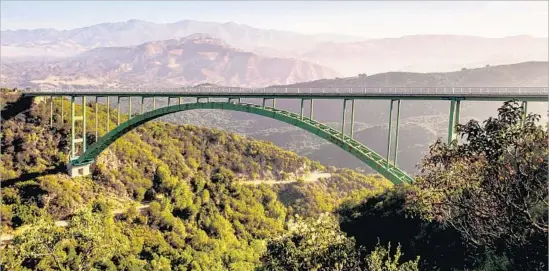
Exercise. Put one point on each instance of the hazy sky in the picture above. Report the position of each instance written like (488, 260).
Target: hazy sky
(361, 18)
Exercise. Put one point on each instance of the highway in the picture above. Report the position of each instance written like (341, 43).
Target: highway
(401, 93)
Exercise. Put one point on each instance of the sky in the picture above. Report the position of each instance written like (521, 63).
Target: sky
(369, 19)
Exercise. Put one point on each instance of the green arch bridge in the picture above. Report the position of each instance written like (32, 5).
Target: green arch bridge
(231, 99)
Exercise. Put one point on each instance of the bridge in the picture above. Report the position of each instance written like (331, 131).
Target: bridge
(231, 99)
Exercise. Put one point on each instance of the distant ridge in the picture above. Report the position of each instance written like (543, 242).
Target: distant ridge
(190, 60)
(531, 73)
(347, 55)
(135, 32)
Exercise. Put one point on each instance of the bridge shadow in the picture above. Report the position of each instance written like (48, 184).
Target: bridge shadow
(13, 109)
(30, 176)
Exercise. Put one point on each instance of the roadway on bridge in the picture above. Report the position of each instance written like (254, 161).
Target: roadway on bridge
(401, 93)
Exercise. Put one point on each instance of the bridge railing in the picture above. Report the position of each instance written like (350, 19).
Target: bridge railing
(328, 90)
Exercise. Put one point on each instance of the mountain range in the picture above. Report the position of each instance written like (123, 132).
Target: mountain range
(198, 58)
(347, 55)
(135, 32)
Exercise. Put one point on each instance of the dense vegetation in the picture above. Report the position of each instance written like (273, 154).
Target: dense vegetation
(200, 216)
(478, 205)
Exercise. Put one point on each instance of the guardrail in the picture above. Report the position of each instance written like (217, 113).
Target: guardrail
(488, 91)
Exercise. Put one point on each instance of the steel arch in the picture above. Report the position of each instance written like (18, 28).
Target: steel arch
(365, 154)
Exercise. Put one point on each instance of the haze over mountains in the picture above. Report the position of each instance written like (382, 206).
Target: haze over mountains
(198, 58)
(426, 53)
(135, 32)
(344, 54)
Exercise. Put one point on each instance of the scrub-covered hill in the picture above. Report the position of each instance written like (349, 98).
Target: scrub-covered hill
(201, 215)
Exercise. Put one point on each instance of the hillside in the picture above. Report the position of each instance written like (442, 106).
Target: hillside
(199, 217)
(191, 60)
(526, 74)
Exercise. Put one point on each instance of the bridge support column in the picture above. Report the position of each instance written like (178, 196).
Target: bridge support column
(74, 118)
(396, 133)
(83, 124)
(108, 113)
(263, 102)
(118, 109)
(130, 107)
(352, 117)
(142, 105)
(458, 109)
(51, 111)
(179, 100)
(62, 112)
(343, 122)
(301, 115)
(96, 118)
(390, 127)
(274, 103)
(311, 110)
(73, 130)
(454, 119)
(524, 110)
(154, 103)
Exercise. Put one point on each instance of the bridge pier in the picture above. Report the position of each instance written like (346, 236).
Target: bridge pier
(62, 111)
(389, 133)
(311, 110)
(78, 170)
(118, 111)
(524, 110)
(455, 106)
(108, 113)
(51, 111)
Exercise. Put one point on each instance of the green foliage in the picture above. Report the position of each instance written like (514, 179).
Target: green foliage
(320, 245)
(476, 206)
(90, 239)
(493, 187)
(344, 186)
(201, 217)
(384, 219)
(381, 260)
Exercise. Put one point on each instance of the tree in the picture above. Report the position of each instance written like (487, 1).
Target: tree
(320, 245)
(384, 219)
(89, 239)
(493, 187)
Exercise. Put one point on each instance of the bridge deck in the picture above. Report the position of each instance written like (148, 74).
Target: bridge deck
(402, 93)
